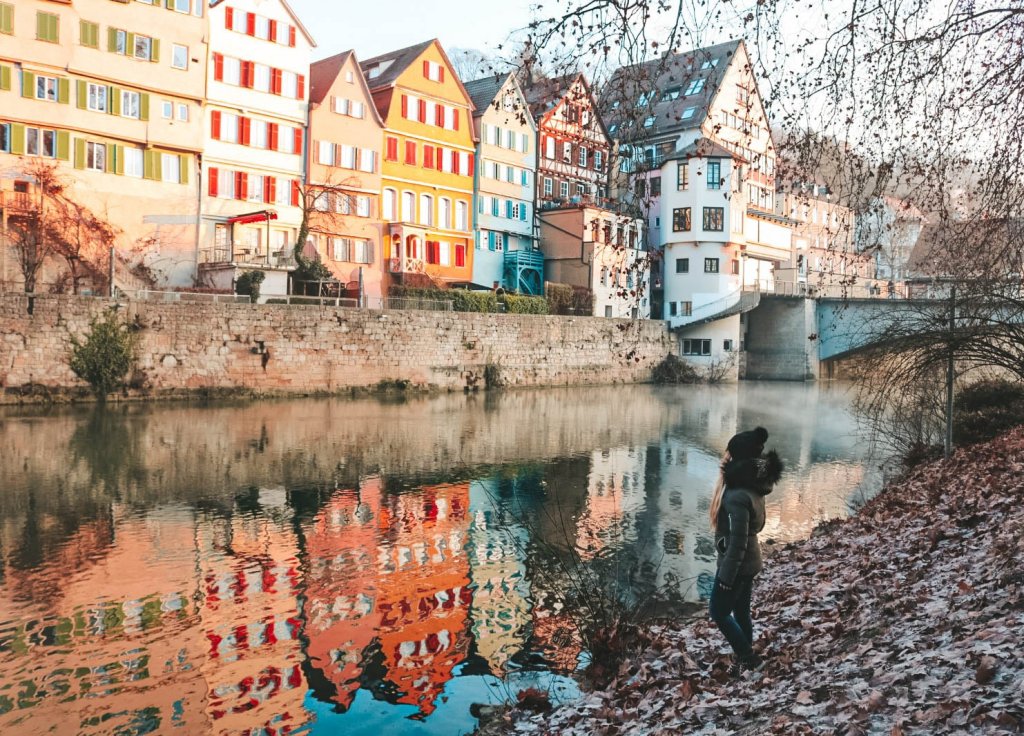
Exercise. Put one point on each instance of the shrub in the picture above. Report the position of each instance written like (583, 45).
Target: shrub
(674, 369)
(565, 299)
(516, 304)
(248, 284)
(987, 409)
(105, 357)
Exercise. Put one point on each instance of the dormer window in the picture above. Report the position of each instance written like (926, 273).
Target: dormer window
(649, 122)
(695, 86)
(688, 113)
(433, 71)
(709, 64)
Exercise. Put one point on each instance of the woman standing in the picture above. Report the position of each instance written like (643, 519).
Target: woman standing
(737, 517)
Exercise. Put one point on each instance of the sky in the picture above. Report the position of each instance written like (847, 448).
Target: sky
(373, 27)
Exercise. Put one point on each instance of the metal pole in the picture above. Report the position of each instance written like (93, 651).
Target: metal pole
(110, 275)
(948, 444)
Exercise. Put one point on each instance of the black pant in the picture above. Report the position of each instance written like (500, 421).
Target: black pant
(730, 609)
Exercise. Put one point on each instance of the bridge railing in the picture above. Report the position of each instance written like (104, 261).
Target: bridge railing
(708, 310)
(831, 291)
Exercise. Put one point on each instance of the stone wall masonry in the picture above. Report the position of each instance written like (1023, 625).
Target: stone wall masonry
(276, 349)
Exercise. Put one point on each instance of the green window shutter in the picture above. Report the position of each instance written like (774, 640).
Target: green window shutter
(54, 28)
(118, 159)
(111, 158)
(63, 145)
(129, 45)
(144, 106)
(111, 39)
(151, 164)
(28, 84)
(154, 50)
(81, 94)
(84, 32)
(186, 163)
(5, 77)
(79, 153)
(41, 26)
(63, 90)
(6, 18)
(114, 100)
(17, 138)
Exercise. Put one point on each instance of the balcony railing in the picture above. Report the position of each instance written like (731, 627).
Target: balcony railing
(241, 256)
(17, 201)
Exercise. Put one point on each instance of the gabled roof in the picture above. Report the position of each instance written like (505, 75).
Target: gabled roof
(704, 148)
(667, 78)
(323, 73)
(397, 62)
(544, 95)
(288, 9)
(484, 92)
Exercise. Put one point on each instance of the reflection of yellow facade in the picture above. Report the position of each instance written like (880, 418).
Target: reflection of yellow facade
(427, 170)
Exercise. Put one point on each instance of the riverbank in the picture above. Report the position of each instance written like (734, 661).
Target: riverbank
(245, 350)
(907, 617)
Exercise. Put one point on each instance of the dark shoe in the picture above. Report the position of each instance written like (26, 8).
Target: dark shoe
(751, 663)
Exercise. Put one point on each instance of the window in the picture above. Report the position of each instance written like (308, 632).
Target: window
(563, 189)
(426, 209)
(119, 41)
(368, 160)
(129, 104)
(5, 137)
(179, 56)
(714, 175)
(410, 153)
(143, 47)
(226, 184)
(710, 265)
(183, 112)
(433, 71)
(727, 346)
(46, 88)
(673, 309)
(444, 213)
(696, 347)
(41, 142)
(96, 156)
(389, 202)
(133, 162)
(261, 77)
(686, 308)
(582, 159)
(229, 127)
(262, 27)
(682, 265)
(289, 84)
(713, 218)
(170, 168)
(89, 33)
(598, 160)
(462, 215)
(567, 152)
(549, 148)
(688, 113)
(6, 18)
(96, 97)
(232, 71)
(682, 175)
(735, 267)
(681, 220)
(695, 86)
(348, 157)
(655, 186)
(48, 27)
(167, 110)
(649, 121)
(182, 6)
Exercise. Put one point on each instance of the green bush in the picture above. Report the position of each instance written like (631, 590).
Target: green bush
(517, 304)
(105, 357)
(248, 284)
(565, 299)
(674, 369)
(987, 409)
(464, 300)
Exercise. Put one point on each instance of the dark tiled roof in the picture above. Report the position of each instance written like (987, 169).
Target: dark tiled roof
(323, 73)
(667, 78)
(702, 148)
(483, 91)
(399, 62)
(979, 247)
(544, 94)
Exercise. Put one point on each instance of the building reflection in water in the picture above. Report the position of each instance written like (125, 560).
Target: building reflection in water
(254, 584)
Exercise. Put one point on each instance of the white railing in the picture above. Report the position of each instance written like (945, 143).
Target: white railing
(298, 300)
(149, 295)
(710, 309)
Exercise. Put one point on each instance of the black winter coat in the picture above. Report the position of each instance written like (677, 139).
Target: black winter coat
(741, 517)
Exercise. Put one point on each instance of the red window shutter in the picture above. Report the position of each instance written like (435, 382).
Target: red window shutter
(439, 115)
(215, 125)
(440, 74)
(212, 174)
(422, 111)
(229, 18)
(428, 156)
(244, 130)
(218, 67)
(391, 149)
(298, 139)
(455, 119)
(241, 180)
(291, 35)
(301, 89)
(426, 69)
(439, 159)
(472, 164)
(455, 162)
(405, 106)
(296, 194)
(271, 189)
(272, 133)
(275, 81)
(460, 255)
(268, 182)
(273, 30)
(250, 24)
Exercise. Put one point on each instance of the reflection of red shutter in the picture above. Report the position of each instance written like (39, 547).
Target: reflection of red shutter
(272, 131)
(229, 18)
(291, 35)
(295, 193)
(212, 174)
(215, 125)
(250, 24)
(218, 67)
(275, 81)
(273, 30)
(298, 139)
(301, 88)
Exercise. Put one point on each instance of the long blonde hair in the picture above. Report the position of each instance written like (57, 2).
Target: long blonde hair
(716, 495)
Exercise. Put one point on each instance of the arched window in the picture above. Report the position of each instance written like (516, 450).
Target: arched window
(426, 209)
(390, 200)
(408, 207)
(444, 213)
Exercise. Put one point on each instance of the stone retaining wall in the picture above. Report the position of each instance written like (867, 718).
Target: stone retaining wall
(272, 349)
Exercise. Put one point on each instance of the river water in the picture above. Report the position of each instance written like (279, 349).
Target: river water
(361, 567)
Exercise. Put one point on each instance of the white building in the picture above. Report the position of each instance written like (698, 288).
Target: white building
(254, 124)
(888, 230)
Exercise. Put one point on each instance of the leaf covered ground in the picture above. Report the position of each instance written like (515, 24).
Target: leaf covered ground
(906, 618)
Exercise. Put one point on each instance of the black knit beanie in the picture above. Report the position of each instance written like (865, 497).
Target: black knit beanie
(748, 444)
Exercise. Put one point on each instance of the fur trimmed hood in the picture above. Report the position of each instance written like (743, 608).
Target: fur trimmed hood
(758, 474)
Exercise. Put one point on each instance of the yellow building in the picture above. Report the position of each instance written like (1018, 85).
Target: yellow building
(112, 92)
(427, 167)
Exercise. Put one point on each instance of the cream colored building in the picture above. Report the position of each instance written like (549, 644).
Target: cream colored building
(254, 141)
(112, 92)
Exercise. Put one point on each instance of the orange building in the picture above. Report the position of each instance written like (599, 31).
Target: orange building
(344, 161)
(427, 172)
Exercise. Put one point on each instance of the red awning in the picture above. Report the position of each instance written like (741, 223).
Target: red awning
(253, 217)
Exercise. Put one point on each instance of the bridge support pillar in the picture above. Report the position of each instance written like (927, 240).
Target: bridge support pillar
(779, 340)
